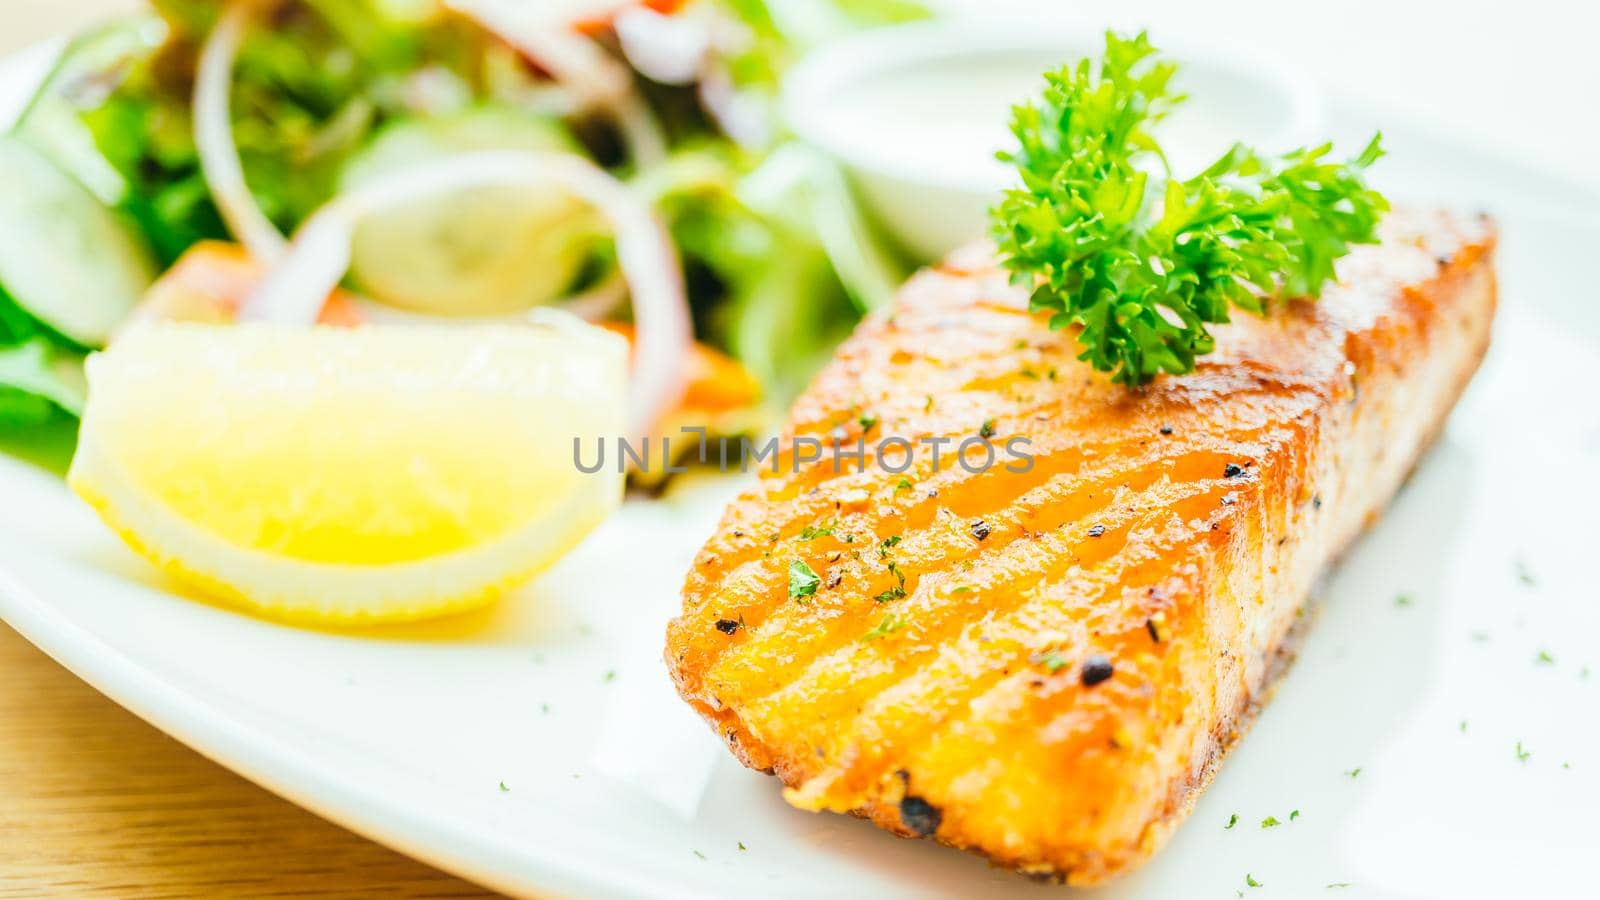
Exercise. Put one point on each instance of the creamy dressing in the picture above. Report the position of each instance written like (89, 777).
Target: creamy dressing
(948, 117)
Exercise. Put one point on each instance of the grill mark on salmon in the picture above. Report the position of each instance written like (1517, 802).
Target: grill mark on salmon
(1174, 531)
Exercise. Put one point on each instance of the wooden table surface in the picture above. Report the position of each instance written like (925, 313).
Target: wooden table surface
(93, 801)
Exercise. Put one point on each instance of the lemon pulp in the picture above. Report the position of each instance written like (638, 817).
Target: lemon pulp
(337, 475)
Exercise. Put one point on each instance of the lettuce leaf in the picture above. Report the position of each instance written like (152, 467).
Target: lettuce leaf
(38, 380)
(308, 91)
(780, 267)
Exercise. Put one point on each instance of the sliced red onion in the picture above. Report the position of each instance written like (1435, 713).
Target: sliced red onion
(741, 116)
(294, 292)
(579, 64)
(213, 137)
(599, 302)
(667, 49)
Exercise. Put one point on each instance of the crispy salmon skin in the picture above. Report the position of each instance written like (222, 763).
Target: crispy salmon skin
(1045, 666)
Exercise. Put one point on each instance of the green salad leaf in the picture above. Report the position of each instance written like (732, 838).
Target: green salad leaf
(778, 261)
(780, 266)
(38, 379)
(308, 93)
(1141, 267)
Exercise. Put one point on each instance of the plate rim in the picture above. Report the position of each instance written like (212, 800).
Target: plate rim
(258, 755)
(264, 759)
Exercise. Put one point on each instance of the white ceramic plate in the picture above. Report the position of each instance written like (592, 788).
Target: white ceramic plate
(612, 788)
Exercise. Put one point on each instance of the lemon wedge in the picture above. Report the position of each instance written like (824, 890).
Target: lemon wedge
(344, 476)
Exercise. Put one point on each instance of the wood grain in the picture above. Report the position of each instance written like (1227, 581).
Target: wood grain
(94, 802)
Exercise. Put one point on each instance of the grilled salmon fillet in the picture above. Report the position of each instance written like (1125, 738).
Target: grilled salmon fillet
(1045, 665)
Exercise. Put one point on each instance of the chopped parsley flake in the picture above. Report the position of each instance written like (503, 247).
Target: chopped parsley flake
(504, 789)
(1354, 772)
(867, 421)
(1522, 755)
(742, 846)
(1339, 884)
(1294, 814)
(1525, 574)
(698, 853)
(1270, 822)
(1545, 659)
(904, 485)
(1051, 661)
(890, 624)
(1232, 821)
(986, 430)
(1251, 880)
(899, 590)
(1403, 600)
(802, 580)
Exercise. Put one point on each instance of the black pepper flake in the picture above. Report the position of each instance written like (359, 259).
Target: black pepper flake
(919, 815)
(1316, 501)
(727, 626)
(1232, 470)
(1096, 668)
(1166, 429)
(1096, 530)
(980, 529)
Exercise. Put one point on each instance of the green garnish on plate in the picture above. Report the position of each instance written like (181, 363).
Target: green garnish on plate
(1142, 263)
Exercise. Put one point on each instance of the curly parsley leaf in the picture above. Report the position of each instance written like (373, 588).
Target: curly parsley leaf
(1141, 264)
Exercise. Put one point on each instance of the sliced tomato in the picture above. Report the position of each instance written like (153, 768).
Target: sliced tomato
(212, 279)
(601, 13)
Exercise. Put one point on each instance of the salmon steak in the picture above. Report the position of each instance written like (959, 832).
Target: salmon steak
(1039, 645)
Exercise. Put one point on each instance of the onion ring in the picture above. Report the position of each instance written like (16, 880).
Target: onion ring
(578, 64)
(213, 137)
(319, 255)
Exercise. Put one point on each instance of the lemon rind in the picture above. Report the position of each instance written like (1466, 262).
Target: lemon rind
(310, 592)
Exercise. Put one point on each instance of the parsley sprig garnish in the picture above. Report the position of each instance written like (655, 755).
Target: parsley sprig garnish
(1143, 268)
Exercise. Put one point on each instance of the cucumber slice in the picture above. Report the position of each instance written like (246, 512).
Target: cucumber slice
(478, 252)
(64, 257)
(87, 68)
